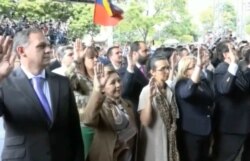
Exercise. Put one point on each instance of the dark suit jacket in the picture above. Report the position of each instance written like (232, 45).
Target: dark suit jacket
(233, 101)
(53, 65)
(195, 101)
(122, 71)
(132, 86)
(29, 137)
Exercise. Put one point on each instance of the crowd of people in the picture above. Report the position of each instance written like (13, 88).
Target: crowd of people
(81, 102)
(56, 31)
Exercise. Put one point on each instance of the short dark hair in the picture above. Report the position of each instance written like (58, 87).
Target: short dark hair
(110, 50)
(154, 59)
(135, 46)
(61, 52)
(221, 48)
(165, 52)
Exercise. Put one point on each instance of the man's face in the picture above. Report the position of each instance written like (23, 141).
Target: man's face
(37, 52)
(116, 56)
(68, 57)
(143, 54)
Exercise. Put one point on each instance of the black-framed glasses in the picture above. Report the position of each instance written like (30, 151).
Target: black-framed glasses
(167, 68)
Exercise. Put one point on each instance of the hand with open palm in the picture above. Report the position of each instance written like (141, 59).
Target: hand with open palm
(100, 77)
(174, 60)
(199, 57)
(131, 61)
(232, 54)
(79, 51)
(152, 86)
(7, 58)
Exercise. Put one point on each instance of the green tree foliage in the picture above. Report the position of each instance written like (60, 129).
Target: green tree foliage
(166, 19)
(40, 9)
(78, 15)
(228, 17)
(207, 19)
(5, 6)
(248, 29)
(136, 23)
(169, 19)
(81, 21)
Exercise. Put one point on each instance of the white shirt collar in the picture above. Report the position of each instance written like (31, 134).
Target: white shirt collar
(116, 67)
(30, 75)
(138, 65)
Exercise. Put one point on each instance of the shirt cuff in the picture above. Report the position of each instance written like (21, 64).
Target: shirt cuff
(130, 70)
(170, 83)
(233, 67)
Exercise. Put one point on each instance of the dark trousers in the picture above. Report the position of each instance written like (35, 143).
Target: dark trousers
(227, 147)
(196, 147)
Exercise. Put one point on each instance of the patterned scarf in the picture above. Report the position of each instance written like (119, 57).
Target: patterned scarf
(168, 112)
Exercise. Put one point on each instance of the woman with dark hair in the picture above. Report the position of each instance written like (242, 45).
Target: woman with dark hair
(81, 75)
(158, 114)
(170, 54)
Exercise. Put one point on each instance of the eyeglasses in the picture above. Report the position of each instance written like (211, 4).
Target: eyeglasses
(163, 69)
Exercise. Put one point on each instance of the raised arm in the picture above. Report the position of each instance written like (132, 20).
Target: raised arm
(91, 115)
(173, 63)
(146, 100)
(225, 76)
(127, 79)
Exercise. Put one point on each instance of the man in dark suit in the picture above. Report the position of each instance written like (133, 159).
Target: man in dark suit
(232, 112)
(38, 107)
(114, 54)
(138, 73)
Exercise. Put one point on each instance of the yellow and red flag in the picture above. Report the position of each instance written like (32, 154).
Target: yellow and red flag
(106, 13)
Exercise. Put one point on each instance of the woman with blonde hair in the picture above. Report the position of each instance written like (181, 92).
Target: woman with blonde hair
(195, 101)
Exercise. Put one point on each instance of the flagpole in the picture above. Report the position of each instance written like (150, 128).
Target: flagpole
(110, 37)
(107, 34)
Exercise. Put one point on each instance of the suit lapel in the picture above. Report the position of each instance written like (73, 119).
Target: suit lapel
(140, 76)
(54, 92)
(24, 85)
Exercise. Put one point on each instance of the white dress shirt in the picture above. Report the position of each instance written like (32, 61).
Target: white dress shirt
(46, 89)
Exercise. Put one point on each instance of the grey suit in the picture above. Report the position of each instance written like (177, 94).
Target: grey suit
(29, 136)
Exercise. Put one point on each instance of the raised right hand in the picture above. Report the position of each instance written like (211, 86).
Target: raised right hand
(78, 50)
(152, 87)
(7, 58)
(199, 56)
(174, 60)
(100, 77)
(232, 55)
(131, 62)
